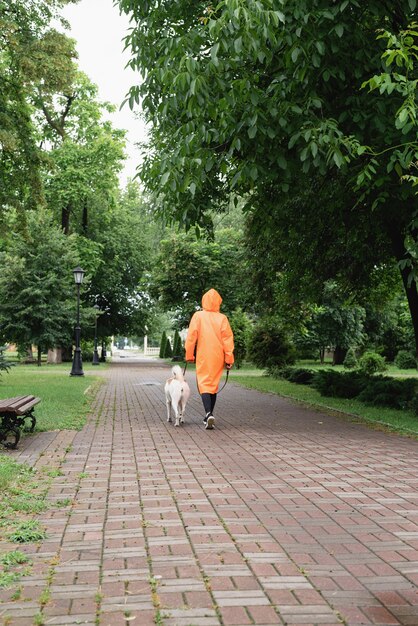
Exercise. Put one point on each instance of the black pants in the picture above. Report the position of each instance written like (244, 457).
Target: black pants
(209, 400)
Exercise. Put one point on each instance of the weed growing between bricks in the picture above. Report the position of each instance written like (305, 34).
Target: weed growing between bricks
(23, 496)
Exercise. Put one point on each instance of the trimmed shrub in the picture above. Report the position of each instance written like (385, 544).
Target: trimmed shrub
(168, 352)
(350, 361)
(371, 363)
(163, 345)
(298, 375)
(384, 391)
(413, 405)
(406, 360)
(269, 345)
(178, 352)
(339, 384)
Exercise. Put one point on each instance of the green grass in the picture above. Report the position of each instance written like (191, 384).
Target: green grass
(65, 399)
(399, 421)
(22, 495)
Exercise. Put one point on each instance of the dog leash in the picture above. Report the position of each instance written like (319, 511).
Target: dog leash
(226, 379)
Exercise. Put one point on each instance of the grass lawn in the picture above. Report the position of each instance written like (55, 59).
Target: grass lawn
(405, 422)
(66, 399)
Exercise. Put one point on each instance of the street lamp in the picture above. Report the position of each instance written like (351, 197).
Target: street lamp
(77, 369)
(95, 353)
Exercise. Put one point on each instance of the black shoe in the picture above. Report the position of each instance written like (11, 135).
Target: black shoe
(205, 419)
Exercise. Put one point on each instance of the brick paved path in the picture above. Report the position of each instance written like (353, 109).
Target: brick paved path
(279, 516)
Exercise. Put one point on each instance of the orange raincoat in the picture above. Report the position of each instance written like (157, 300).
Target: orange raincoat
(210, 330)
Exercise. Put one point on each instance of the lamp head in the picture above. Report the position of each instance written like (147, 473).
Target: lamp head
(78, 275)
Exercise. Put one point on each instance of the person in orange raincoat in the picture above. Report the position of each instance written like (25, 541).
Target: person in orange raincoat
(210, 333)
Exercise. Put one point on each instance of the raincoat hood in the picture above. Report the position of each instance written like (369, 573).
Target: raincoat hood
(211, 300)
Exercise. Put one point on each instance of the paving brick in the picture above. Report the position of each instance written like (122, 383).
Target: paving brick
(270, 510)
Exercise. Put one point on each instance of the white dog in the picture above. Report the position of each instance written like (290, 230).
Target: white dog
(177, 392)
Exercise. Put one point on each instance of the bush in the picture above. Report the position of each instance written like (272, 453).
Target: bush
(269, 345)
(406, 360)
(5, 365)
(382, 391)
(298, 375)
(178, 351)
(241, 327)
(168, 352)
(413, 405)
(339, 384)
(350, 361)
(371, 363)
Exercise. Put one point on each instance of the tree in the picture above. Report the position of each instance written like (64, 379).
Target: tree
(32, 54)
(86, 158)
(37, 300)
(163, 344)
(246, 96)
(336, 324)
(186, 267)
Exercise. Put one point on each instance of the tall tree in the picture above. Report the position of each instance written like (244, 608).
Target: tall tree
(37, 302)
(31, 54)
(246, 96)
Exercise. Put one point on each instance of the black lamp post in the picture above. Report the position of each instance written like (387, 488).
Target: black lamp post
(77, 369)
(95, 353)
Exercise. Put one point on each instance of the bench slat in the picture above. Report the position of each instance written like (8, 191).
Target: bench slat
(19, 404)
(26, 407)
(7, 401)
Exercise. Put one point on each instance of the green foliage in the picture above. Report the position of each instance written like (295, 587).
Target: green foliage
(168, 352)
(413, 405)
(241, 327)
(269, 345)
(37, 298)
(178, 351)
(406, 360)
(32, 54)
(5, 365)
(340, 384)
(371, 363)
(298, 375)
(350, 361)
(383, 391)
(119, 282)
(163, 345)
(331, 86)
(187, 266)
(28, 531)
(14, 557)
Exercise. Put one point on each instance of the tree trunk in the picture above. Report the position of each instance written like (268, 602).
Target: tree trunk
(85, 219)
(322, 355)
(39, 355)
(65, 219)
(339, 355)
(410, 289)
(54, 355)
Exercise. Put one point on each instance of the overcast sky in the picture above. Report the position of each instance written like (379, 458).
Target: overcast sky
(99, 29)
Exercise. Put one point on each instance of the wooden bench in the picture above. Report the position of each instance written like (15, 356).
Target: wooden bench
(13, 413)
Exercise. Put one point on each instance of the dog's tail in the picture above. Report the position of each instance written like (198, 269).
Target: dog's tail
(178, 373)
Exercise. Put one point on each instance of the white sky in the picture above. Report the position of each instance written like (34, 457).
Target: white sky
(98, 28)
